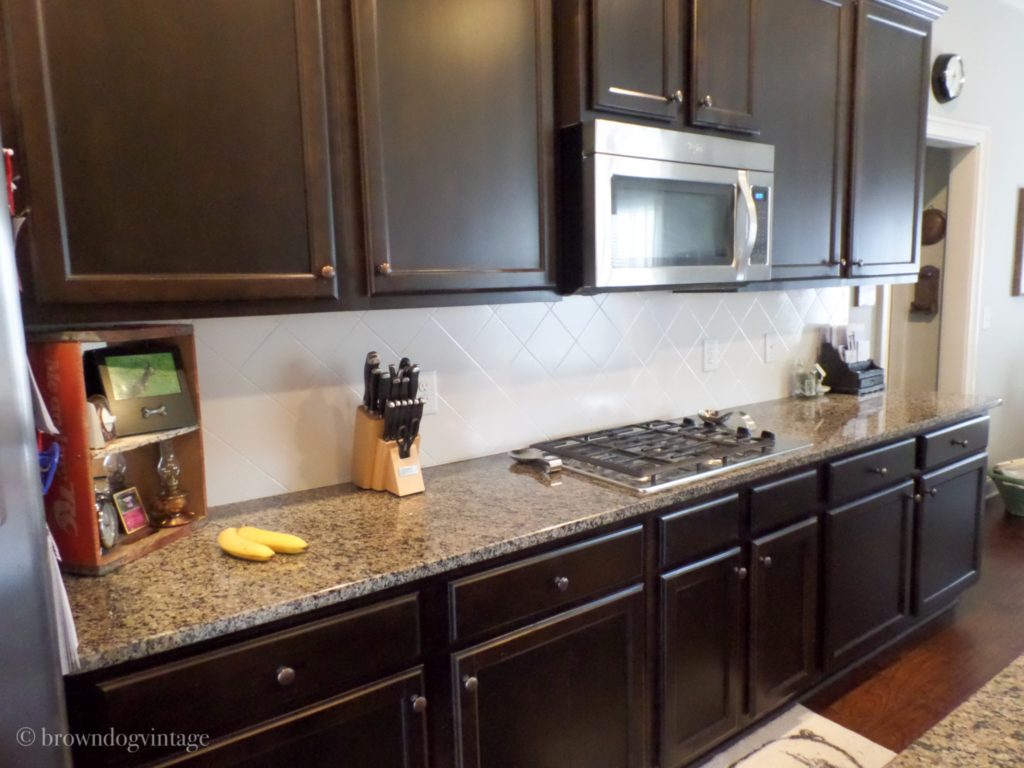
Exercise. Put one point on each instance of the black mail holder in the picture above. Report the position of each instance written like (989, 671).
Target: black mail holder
(844, 378)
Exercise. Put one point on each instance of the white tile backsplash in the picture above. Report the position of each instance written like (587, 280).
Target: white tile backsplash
(279, 393)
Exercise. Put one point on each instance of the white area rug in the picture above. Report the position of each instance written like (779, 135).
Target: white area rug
(798, 738)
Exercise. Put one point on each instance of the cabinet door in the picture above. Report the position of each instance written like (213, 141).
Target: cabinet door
(722, 64)
(784, 611)
(635, 61)
(802, 110)
(702, 649)
(173, 151)
(380, 726)
(867, 574)
(890, 99)
(948, 535)
(566, 691)
(456, 126)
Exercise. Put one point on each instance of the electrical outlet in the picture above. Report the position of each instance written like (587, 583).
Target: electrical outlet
(428, 391)
(712, 356)
(771, 348)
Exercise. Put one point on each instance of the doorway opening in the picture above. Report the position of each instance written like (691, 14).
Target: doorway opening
(938, 350)
(915, 323)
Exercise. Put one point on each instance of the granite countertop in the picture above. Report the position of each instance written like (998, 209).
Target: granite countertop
(983, 732)
(363, 542)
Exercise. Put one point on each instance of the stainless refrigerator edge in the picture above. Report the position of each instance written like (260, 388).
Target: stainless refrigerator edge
(31, 690)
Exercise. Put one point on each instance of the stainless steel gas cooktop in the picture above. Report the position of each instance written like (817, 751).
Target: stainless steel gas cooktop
(655, 455)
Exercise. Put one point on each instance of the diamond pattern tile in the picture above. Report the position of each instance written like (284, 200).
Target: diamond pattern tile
(279, 393)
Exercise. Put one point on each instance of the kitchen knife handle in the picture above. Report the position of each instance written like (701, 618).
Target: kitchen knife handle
(414, 381)
(384, 393)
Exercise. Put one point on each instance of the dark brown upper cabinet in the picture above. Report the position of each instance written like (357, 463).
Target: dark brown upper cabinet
(722, 58)
(804, 112)
(455, 108)
(172, 151)
(890, 110)
(635, 57)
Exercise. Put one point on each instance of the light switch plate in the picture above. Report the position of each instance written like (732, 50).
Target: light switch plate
(428, 391)
(712, 355)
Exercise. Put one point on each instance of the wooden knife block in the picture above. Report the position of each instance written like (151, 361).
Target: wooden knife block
(376, 464)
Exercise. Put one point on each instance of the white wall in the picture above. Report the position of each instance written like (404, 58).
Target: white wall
(278, 393)
(989, 35)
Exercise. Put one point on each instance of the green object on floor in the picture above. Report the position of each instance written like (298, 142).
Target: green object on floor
(1012, 491)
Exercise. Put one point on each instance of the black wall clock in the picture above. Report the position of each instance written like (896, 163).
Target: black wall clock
(947, 77)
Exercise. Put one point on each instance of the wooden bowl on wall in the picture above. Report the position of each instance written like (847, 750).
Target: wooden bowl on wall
(933, 226)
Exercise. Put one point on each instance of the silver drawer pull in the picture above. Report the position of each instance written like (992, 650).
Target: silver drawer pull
(562, 583)
(960, 443)
(880, 471)
(285, 676)
(740, 571)
(766, 561)
(676, 97)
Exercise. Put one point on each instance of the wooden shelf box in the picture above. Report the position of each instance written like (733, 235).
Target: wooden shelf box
(56, 360)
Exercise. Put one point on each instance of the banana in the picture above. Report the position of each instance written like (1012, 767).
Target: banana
(246, 549)
(279, 542)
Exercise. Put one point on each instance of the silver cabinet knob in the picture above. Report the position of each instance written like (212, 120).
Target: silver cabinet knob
(562, 583)
(327, 272)
(858, 263)
(285, 676)
(470, 683)
(707, 101)
(677, 97)
(960, 443)
(933, 492)
(741, 572)
(384, 268)
(419, 704)
(880, 471)
(918, 497)
(766, 561)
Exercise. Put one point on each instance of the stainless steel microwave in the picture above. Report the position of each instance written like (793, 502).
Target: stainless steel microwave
(660, 208)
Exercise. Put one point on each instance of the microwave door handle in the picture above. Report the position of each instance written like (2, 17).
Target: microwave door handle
(751, 211)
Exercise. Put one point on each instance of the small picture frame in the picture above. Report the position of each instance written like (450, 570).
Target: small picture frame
(145, 387)
(1017, 286)
(130, 510)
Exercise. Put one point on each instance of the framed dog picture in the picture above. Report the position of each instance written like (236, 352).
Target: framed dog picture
(130, 510)
(145, 387)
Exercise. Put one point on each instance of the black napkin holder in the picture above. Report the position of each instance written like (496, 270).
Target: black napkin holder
(844, 378)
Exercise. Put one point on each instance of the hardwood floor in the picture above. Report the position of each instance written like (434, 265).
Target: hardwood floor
(899, 696)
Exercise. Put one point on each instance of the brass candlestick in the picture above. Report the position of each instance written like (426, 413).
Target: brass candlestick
(171, 508)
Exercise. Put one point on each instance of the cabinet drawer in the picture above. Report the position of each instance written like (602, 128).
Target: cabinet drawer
(698, 530)
(784, 501)
(869, 472)
(223, 691)
(952, 443)
(513, 592)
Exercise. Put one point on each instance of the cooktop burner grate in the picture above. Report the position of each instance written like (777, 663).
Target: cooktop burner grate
(654, 455)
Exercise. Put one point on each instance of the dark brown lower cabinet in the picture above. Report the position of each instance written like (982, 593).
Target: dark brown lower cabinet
(947, 539)
(784, 614)
(380, 726)
(567, 691)
(703, 661)
(867, 575)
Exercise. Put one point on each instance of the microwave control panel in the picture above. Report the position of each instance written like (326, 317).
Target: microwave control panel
(762, 204)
